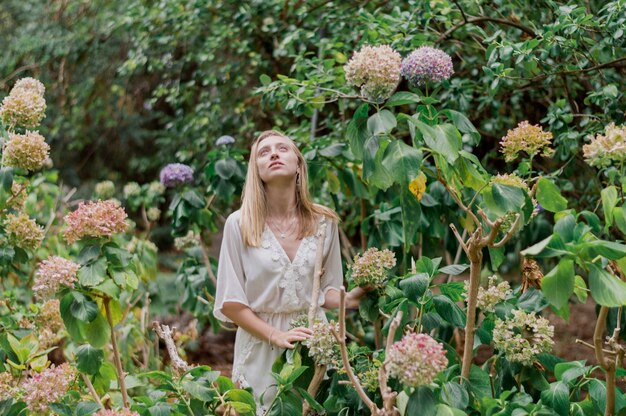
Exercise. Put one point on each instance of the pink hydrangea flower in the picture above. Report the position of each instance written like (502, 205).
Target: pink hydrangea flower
(53, 273)
(526, 138)
(121, 412)
(416, 359)
(95, 219)
(376, 70)
(26, 151)
(426, 64)
(372, 266)
(47, 387)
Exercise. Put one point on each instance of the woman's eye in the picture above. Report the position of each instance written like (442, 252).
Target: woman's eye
(263, 152)
(283, 149)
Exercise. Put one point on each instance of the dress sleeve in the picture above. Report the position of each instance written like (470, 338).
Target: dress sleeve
(333, 275)
(230, 273)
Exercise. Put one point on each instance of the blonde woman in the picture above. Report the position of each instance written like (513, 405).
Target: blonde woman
(265, 272)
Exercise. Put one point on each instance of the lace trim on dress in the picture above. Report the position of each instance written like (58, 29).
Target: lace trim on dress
(237, 374)
(293, 272)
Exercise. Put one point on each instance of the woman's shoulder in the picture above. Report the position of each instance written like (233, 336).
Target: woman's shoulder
(324, 214)
(233, 220)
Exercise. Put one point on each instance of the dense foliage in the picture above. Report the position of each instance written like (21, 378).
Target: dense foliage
(461, 142)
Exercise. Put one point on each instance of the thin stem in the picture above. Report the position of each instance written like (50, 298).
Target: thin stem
(92, 391)
(116, 354)
(470, 323)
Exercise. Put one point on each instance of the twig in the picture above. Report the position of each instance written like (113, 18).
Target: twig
(165, 333)
(116, 354)
(92, 391)
(480, 19)
(509, 233)
(459, 238)
(388, 395)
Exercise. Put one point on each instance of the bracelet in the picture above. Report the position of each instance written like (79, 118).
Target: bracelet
(269, 339)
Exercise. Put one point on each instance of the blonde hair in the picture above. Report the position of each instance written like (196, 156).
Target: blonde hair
(254, 198)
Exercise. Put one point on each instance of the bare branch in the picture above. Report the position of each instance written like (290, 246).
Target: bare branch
(509, 233)
(475, 20)
(459, 238)
(164, 332)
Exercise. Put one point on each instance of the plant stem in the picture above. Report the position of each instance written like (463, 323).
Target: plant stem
(116, 354)
(470, 323)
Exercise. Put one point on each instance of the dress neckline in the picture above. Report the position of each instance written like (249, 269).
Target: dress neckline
(282, 249)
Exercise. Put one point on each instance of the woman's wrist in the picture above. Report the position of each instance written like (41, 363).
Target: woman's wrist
(269, 338)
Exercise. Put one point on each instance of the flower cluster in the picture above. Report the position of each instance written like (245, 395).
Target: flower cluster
(131, 189)
(25, 105)
(608, 149)
(155, 188)
(23, 231)
(369, 377)
(105, 189)
(189, 240)
(18, 194)
(489, 297)
(47, 387)
(426, 64)
(225, 140)
(26, 151)
(121, 412)
(376, 70)
(153, 214)
(53, 273)
(322, 345)
(418, 186)
(371, 267)
(510, 180)
(527, 138)
(416, 359)
(95, 219)
(49, 322)
(176, 174)
(523, 336)
(6, 385)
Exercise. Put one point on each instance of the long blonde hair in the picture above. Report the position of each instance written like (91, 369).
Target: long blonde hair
(254, 198)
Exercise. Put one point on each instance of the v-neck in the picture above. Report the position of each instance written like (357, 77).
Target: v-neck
(282, 249)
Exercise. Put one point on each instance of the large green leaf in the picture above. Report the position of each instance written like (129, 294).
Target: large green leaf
(462, 123)
(606, 289)
(83, 307)
(609, 249)
(402, 161)
(470, 174)
(374, 172)
(402, 98)
(557, 397)
(449, 310)
(455, 395)
(381, 122)
(444, 139)
(415, 286)
(549, 196)
(502, 199)
(609, 201)
(71, 323)
(421, 402)
(97, 332)
(357, 132)
(94, 273)
(89, 359)
(226, 168)
(558, 284)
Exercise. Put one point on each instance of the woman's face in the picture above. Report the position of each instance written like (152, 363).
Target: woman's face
(276, 159)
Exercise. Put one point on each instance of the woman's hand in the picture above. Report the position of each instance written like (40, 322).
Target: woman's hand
(283, 339)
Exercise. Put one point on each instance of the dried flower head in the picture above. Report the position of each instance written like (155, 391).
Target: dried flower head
(47, 387)
(225, 140)
(131, 189)
(371, 267)
(531, 274)
(418, 186)
(24, 107)
(49, 323)
(53, 273)
(26, 151)
(322, 345)
(607, 150)
(527, 138)
(176, 174)
(105, 189)
(95, 219)
(30, 84)
(523, 336)
(23, 231)
(416, 359)
(191, 239)
(19, 194)
(7, 385)
(493, 294)
(153, 214)
(376, 70)
(426, 64)
(510, 180)
(121, 412)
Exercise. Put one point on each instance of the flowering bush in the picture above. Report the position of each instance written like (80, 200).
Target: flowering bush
(26, 151)
(527, 138)
(322, 345)
(427, 64)
(47, 387)
(25, 105)
(95, 219)
(608, 149)
(376, 70)
(53, 273)
(371, 267)
(523, 336)
(176, 174)
(23, 231)
(416, 359)
(489, 297)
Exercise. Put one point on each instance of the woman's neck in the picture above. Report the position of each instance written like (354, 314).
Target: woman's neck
(281, 201)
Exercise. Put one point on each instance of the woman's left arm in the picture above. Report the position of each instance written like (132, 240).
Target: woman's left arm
(353, 298)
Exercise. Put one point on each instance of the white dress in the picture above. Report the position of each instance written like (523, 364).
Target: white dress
(276, 289)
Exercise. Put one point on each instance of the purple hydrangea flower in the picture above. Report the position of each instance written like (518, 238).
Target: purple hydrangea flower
(426, 64)
(225, 140)
(176, 174)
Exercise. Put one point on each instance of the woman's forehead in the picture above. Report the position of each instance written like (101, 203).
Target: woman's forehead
(270, 140)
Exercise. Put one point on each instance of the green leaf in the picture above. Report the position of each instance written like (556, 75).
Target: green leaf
(194, 199)
(415, 286)
(619, 218)
(558, 285)
(463, 124)
(117, 256)
(87, 408)
(453, 290)
(224, 384)
(83, 308)
(243, 396)
(287, 403)
(449, 310)
(454, 269)
(374, 171)
(455, 395)
(502, 199)
(443, 139)
(199, 390)
(381, 122)
(557, 397)
(402, 161)
(89, 359)
(226, 168)
(94, 273)
(580, 289)
(549, 196)
(368, 308)
(402, 98)
(609, 249)
(60, 409)
(609, 201)
(97, 331)
(421, 402)
(606, 289)
(357, 132)
(71, 323)
(265, 79)
(160, 409)
(496, 255)
(6, 178)
(479, 382)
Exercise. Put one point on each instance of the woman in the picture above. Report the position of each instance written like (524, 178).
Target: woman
(265, 273)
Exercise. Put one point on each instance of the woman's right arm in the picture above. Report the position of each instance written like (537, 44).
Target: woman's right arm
(243, 316)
